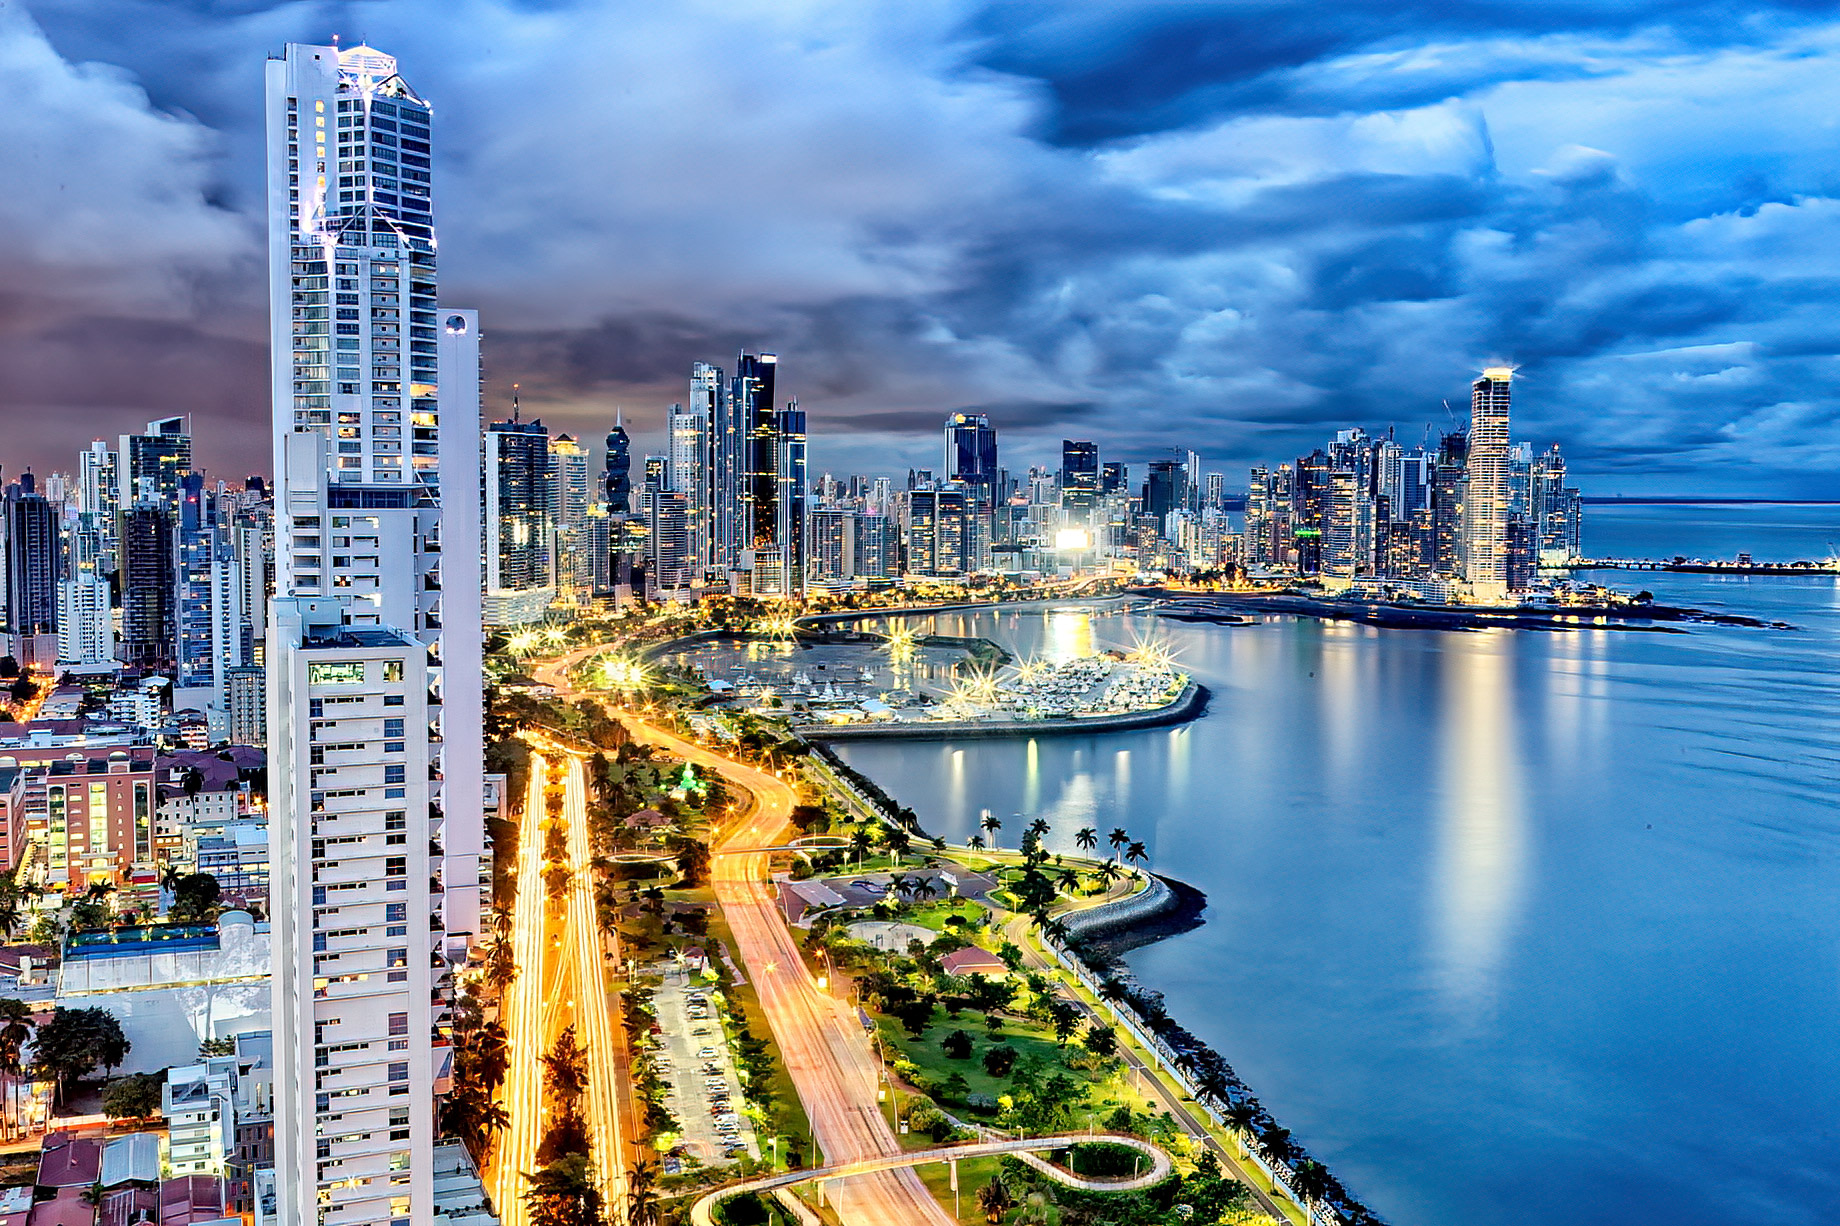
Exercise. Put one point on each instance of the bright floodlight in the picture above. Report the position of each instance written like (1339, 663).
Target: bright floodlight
(523, 642)
(627, 676)
(1073, 539)
(902, 641)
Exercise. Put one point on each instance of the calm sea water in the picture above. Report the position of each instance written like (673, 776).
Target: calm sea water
(1510, 928)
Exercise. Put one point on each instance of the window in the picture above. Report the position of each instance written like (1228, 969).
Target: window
(396, 911)
(399, 1024)
(392, 670)
(392, 727)
(394, 773)
(336, 673)
(396, 866)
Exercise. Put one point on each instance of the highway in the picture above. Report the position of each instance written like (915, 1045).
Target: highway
(587, 976)
(522, 1013)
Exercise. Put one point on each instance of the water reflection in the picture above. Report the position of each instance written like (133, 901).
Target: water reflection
(1479, 871)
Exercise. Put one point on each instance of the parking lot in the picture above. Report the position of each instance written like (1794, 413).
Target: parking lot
(694, 1060)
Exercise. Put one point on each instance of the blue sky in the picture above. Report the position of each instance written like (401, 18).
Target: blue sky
(1231, 227)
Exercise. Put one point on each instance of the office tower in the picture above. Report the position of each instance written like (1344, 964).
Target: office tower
(162, 455)
(374, 656)
(569, 481)
(616, 477)
(1163, 490)
(86, 627)
(723, 450)
(33, 559)
(1079, 474)
(1114, 477)
(520, 584)
(758, 475)
(690, 474)
(1310, 502)
(1449, 487)
(1486, 504)
(656, 470)
(971, 456)
(149, 625)
(790, 506)
(1216, 495)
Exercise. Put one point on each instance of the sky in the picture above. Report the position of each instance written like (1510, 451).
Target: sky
(1231, 227)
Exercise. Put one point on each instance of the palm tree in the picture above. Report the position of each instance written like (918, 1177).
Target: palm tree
(15, 1029)
(1276, 1142)
(642, 1193)
(898, 841)
(900, 884)
(1311, 1181)
(995, 1200)
(9, 914)
(1039, 827)
(926, 887)
(1068, 879)
(860, 843)
(1086, 838)
(1118, 838)
(1243, 1116)
(1136, 853)
(975, 842)
(991, 825)
(1107, 872)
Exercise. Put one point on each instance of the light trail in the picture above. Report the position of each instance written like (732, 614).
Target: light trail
(593, 1023)
(523, 1016)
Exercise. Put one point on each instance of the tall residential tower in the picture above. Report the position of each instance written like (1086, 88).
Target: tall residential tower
(374, 653)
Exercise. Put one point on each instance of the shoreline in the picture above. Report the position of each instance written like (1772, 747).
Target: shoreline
(1231, 608)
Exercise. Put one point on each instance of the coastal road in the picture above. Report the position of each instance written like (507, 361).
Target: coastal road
(825, 1051)
(1016, 931)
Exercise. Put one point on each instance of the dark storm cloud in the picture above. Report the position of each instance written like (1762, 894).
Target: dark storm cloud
(1234, 227)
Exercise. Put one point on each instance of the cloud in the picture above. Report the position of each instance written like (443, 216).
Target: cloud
(1234, 228)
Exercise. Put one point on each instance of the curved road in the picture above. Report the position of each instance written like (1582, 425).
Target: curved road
(824, 1049)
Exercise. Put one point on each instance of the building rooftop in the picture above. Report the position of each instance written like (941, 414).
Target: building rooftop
(134, 1158)
(69, 1161)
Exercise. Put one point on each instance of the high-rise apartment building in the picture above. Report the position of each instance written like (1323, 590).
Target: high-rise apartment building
(149, 623)
(1486, 502)
(570, 482)
(374, 655)
(33, 559)
(1079, 474)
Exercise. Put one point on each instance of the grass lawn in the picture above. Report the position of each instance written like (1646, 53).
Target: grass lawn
(973, 1173)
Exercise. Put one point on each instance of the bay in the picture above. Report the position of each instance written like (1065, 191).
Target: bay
(1509, 927)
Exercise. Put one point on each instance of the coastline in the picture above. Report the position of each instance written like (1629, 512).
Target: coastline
(1230, 608)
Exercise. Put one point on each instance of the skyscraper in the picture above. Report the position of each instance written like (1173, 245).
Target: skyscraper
(32, 559)
(1486, 503)
(569, 481)
(519, 497)
(759, 477)
(722, 460)
(690, 474)
(971, 456)
(374, 656)
(616, 477)
(148, 584)
(162, 455)
(1079, 474)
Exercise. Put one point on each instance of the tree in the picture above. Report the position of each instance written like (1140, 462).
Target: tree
(1101, 1041)
(995, 1200)
(956, 1045)
(136, 1096)
(1136, 853)
(15, 1029)
(195, 897)
(975, 842)
(563, 1194)
(1311, 1181)
(1276, 1142)
(23, 689)
(1086, 838)
(999, 1060)
(991, 825)
(693, 863)
(74, 1042)
(1118, 838)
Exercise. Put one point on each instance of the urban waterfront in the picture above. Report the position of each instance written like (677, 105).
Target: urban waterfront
(1509, 927)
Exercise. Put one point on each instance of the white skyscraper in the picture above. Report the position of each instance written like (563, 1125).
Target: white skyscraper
(1486, 505)
(374, 646)
(689, 475)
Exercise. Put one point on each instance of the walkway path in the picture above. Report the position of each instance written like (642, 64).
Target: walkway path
(702, 1213)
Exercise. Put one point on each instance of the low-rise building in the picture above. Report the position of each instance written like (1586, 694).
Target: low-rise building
(199, 1104)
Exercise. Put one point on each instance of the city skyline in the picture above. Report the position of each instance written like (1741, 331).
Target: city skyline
(1500, 204)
